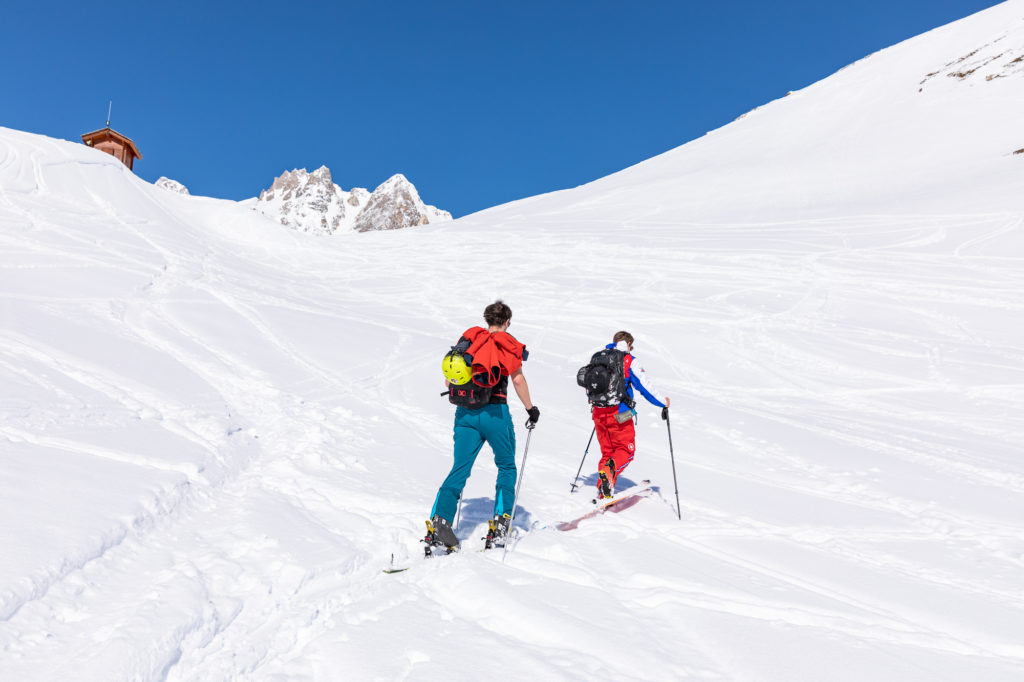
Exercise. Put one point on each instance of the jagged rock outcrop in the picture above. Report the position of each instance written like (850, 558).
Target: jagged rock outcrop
(171, 185)
(394, 205)
(311, 202)
(308, 202)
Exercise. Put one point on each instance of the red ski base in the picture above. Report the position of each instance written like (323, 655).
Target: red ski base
(615, 505)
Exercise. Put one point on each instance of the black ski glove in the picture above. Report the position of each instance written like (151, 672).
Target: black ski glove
(664, 413)
(534, 413)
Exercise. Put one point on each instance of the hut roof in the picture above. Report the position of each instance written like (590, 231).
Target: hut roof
(108, 132)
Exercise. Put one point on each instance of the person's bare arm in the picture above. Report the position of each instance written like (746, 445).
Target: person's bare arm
(522, 389)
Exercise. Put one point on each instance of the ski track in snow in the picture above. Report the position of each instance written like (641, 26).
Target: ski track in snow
(233, 605)
(217, 433)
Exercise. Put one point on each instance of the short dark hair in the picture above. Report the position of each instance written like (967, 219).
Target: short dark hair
(623, 336)
(497, 313)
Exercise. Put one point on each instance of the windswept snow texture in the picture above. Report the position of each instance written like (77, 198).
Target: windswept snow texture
(215, 433)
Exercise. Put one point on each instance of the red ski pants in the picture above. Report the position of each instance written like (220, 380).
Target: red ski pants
(617, 441)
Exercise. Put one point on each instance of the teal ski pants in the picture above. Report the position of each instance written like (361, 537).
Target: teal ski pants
(491, 424)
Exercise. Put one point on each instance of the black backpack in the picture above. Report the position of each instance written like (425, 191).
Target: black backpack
(469, 394)
(605, 378)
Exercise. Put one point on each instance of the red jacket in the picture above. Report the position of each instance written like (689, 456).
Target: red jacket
(495, 354)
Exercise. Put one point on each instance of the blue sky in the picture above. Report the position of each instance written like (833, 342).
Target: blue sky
(478, 102)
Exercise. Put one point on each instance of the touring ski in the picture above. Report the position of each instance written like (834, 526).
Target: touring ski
(617, 503)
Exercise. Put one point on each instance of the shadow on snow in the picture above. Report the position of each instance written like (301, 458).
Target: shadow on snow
(479, 510)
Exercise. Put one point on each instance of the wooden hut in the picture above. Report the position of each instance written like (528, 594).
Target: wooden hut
(113, 143)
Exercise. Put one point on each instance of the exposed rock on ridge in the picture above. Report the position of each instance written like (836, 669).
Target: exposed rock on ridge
(999, 58)
(308, 202)
(171, 185)
(311, 202)
(394, 205)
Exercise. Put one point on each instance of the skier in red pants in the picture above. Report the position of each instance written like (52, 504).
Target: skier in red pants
(614, 424)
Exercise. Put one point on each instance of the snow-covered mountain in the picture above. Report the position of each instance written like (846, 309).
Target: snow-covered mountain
(396, 204)
(214, 433)
(311, 202)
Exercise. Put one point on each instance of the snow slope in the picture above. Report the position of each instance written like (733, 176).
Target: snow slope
(215, 433)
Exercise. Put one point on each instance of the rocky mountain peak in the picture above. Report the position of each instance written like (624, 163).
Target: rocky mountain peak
(396, 204)
(311, 202)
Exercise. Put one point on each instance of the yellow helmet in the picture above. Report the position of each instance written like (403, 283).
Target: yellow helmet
(456, 370)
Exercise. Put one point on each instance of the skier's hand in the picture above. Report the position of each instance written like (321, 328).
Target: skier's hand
(534, 413)
(664, 413)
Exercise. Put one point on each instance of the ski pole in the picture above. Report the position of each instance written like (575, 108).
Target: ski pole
(574, 485)
(668, 425)
(458, 514)
(515, 496)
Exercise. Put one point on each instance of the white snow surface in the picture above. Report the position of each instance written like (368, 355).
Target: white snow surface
(215, 433)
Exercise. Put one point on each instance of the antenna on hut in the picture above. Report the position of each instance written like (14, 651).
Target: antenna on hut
(113, 142)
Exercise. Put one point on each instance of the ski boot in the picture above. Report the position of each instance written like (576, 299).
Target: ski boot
(606, 480)
(497, 531)
(439, 534)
